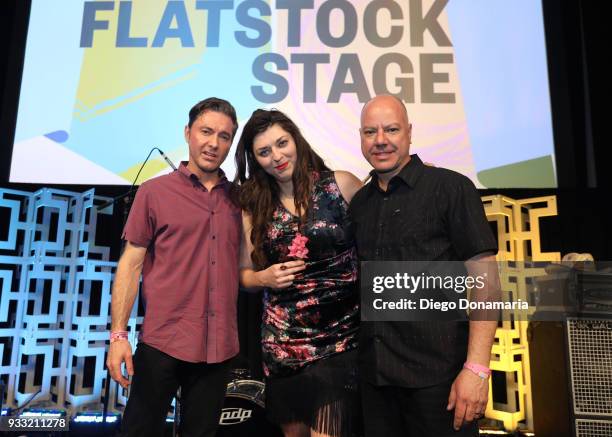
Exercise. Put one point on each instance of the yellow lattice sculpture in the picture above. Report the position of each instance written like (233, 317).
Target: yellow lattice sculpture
(518, 233)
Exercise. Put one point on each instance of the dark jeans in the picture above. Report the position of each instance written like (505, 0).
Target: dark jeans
(156, 379)
(406, 412)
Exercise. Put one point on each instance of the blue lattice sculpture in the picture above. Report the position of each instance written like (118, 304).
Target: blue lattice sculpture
(55, 302)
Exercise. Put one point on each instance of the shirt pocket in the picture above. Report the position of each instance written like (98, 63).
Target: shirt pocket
(231, 225)
(409, 228)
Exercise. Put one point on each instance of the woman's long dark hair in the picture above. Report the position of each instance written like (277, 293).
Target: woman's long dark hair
(259, 192)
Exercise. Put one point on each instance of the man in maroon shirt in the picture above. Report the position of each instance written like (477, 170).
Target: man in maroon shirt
(183, 234)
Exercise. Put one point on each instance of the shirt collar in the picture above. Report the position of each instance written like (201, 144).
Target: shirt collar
(193, 178)
(409, 174)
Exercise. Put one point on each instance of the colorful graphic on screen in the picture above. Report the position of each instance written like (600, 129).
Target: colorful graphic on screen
(112, 79)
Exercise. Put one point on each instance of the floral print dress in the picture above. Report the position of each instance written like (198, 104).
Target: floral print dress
(318, 316)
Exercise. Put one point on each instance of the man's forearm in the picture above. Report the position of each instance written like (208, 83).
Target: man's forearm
(482, 334)
(483, 323)
(124, 292)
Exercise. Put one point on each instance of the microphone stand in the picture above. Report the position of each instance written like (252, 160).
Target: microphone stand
(127, 193)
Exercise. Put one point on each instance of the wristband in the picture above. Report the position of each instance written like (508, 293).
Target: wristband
(118, 335)
(482, 371)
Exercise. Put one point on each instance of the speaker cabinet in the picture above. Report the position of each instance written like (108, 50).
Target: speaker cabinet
(589, 344)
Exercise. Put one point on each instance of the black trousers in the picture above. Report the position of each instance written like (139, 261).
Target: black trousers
(156, 379)
(392, 411)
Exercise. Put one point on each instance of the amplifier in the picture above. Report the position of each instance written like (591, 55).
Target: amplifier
(594, 292)
(589, 347)
(570, 292)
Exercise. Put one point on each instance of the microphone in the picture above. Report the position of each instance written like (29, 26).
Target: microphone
(114, 200)
(166, 158)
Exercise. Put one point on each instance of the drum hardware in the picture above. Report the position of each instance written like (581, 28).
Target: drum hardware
(243, 413)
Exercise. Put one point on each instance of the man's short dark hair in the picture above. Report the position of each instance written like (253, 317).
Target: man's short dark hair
(216, 105)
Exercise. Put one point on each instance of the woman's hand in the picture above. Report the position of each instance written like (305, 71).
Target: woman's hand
(280, 275)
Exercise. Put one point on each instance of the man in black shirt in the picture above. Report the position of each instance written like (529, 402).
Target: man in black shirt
(419, 378)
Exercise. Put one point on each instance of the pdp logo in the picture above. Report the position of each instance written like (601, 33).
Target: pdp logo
(232, 416)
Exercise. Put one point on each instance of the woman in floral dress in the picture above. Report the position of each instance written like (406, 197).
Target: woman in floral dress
(298, 246)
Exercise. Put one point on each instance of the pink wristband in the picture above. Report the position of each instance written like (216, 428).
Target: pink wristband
(118, 335)
(482, 371)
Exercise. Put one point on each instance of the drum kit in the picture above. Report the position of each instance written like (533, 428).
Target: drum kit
(244, 409)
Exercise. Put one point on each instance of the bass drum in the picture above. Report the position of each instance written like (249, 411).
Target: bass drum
(243, 413)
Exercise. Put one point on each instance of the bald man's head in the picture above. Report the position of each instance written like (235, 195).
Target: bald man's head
(387, 100)
(385, 134)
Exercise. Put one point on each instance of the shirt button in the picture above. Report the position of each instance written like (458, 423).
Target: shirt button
(213, 263)
(212, 213)
(214, 237)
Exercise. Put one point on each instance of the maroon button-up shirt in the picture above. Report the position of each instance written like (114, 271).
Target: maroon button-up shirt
(190, 272)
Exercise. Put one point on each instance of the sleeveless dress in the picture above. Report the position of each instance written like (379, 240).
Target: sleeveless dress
(309, 330)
